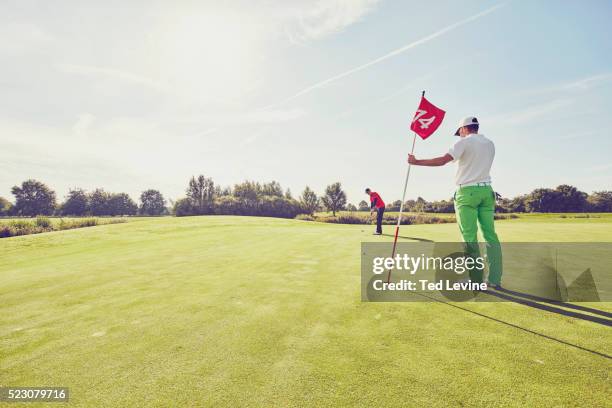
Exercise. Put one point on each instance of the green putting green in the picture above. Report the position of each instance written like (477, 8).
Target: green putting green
(244, 311)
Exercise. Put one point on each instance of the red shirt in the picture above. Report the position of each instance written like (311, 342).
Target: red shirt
(376, 200)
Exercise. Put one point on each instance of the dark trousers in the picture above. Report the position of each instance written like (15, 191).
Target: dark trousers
(379, 217)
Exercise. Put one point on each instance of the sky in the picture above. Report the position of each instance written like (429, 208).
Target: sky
(134, 95)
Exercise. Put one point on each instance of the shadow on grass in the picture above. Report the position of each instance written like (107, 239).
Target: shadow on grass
(558, 303)
(553, 309)
(412, 238)
(567, 343)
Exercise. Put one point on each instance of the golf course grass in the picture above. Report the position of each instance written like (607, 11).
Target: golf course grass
(246, 311)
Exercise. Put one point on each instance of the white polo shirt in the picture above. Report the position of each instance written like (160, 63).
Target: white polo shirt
(474, 156)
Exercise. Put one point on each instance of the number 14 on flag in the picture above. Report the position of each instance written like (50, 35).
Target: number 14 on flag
(427, 119)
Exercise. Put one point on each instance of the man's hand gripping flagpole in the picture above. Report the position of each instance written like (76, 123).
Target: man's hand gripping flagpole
(425, 122)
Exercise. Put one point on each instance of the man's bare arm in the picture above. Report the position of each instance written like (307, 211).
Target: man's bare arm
(436, 161)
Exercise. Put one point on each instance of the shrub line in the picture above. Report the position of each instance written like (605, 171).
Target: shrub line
(39, 225)
(409, 219)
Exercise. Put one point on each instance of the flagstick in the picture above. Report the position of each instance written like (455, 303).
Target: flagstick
(399, 218)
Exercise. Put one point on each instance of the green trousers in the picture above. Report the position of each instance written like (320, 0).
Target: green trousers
(476, 205)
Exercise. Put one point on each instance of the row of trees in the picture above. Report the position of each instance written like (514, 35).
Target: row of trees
(268, 199)
(563, 198)
(33, 198)
(36, 198)
(253, 198)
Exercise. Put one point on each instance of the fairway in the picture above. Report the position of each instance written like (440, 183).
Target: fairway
(246, 311)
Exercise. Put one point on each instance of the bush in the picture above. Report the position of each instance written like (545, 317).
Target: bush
(7, 230)
(418, 219)
(431, 219)
(505, 216)
(408, 219)
(304, 217)
(20, 227)
(272, 206)
(80, 223)
(354, 218)
(351, 219)
(21, 224)
(388, 219)
(43, 222)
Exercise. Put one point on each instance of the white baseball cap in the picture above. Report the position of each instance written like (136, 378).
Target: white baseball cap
(468, 120)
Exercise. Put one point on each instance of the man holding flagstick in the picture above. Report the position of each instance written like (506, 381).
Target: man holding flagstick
(474, 198)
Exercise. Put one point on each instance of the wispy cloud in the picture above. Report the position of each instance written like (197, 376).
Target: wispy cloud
(410, 86)
(391, 54)
(114, 73)
(326, 17)
(254, 136)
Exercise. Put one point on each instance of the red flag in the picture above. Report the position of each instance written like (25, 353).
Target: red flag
(426, 119)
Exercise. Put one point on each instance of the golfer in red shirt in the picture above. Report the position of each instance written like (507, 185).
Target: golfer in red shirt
(378, 205)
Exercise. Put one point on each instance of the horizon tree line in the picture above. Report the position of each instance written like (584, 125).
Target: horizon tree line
(33, 198)
(203, 196)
